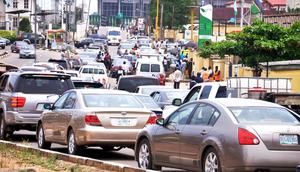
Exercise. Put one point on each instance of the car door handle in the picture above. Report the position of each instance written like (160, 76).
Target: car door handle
(203, 132)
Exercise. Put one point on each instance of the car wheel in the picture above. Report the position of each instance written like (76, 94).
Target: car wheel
(41, 138)
(145, 157)
(73, 148)
(211, 161)
(3, 129)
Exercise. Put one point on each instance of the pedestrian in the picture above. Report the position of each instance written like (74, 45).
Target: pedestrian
(183, 67)
(190, 67)
(205, 75)
(198, 78)
(177, 76)
(165, 64)
(210, 74)
(217, 74)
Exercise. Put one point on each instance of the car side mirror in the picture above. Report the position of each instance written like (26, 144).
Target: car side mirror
(177, 102)
(48, 106)
(160, 121)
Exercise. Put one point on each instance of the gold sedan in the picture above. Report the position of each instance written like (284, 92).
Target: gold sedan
(110, 119)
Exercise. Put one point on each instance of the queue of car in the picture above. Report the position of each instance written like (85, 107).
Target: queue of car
(200, 129)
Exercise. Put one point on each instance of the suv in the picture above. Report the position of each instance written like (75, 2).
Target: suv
(23, 95)
(130, 83)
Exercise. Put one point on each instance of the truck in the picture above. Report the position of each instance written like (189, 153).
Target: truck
(276, 90)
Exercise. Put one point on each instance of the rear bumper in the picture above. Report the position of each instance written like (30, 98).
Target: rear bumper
(15, 118)
(91, 135)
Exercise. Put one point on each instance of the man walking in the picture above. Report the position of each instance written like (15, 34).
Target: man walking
(177, 76)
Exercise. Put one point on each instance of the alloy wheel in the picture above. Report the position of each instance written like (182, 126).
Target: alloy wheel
(144, 156)
(71, 143)
(40, 136)
(211, 163)
(1, 126)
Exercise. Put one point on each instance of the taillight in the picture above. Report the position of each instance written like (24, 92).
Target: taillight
(152, 119)
(246, 137)
(92, 119)
(17, 102)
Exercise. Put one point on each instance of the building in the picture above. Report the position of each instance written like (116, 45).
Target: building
(277, 5)
(286, 19)
(127, 10)
(293, 4)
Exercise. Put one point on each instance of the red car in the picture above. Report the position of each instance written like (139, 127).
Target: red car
(16, 46)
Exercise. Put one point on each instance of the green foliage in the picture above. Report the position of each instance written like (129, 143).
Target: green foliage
(260, 42)
(11, 35)
(181, 12)
(24, 25)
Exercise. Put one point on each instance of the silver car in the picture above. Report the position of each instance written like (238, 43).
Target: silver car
(222, 134)
(110, 119)
(27, 51)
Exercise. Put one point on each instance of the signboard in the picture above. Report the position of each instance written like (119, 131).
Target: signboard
(205, 24)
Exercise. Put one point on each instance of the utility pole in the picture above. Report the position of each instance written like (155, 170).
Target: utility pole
(35, 30)
(88, 19)
(192, 24)
(242, 14)
(173, 13)
(161, 21)
(156, 19)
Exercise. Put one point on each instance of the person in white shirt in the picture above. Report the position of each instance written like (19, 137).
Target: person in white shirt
(177, 77)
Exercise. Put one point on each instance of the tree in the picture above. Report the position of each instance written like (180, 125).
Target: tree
(25, 25)
(261, 42)
(177, 18)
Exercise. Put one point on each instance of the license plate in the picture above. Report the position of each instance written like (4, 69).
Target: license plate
(114, 38)
(123, 122)
(120, 71)
(40, 107)
(290, 139)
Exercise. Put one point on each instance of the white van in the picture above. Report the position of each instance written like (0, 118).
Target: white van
(149, 67)
(93, 72)
(114, 36)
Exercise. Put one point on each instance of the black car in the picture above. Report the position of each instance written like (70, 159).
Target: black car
(64, 63)
(83, 43)
(130, 83)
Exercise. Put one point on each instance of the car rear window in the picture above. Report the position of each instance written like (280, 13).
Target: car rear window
(155, 68)
(130, 84)
(82, 84)
(38, 84)
(62, 63)
(260, 115)
(145, 67)
(111, 101)
(93, 71)
(114, 33)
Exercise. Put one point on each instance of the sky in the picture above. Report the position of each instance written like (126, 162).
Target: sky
(93, 6)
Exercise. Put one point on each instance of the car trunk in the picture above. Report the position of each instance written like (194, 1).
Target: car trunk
(279, 137)
(123, 119)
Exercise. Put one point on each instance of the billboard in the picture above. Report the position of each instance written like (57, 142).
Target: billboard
(205, 25)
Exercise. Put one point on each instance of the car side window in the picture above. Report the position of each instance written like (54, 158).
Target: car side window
(3, 82)
(181, 116)
(205, 93)
(156, 97)
(204, 115)
(70, 101)
(193, 94)
(60, 102)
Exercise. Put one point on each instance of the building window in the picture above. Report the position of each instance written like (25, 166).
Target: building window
(15, 3)
(15, 22)
(26, 5)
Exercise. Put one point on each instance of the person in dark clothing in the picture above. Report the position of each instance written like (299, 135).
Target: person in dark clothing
(190, 68)
(198, 78)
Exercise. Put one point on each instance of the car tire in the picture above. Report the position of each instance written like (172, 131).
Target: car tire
(42, 143)
(3, 129)
(73, 148)
(144, 156)
(211, 161)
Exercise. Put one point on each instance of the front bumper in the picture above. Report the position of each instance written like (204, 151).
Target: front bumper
(27, 55)
(97, 135)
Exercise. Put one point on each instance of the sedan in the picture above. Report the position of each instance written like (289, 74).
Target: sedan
(165, 97)
(27, 51)
(223, 135)
(110, 119)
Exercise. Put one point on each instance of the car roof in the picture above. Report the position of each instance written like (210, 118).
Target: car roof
(137, 76)
(239, 102)
(211, 83)
(99, 91)
(92, 66)
(154, 86)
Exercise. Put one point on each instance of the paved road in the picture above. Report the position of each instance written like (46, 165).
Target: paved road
(124, 156)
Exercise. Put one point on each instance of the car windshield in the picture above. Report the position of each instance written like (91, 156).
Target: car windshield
(127, 46)
(148, 102)
(111, 101)
(29, 84)
(114, 33)
(99, 41)
(171, 95)
(119, 62)
(27, 47)
(261, 115)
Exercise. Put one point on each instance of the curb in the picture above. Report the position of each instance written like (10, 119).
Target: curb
(104, 165)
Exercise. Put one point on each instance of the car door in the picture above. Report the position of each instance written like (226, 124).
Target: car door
(166, 140)
(195, 133)
(66, 115)
(193, 94)
(51, 119)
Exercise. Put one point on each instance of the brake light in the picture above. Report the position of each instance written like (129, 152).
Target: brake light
(152, 119)
(246, 137)
(17, 102)
(92, 119)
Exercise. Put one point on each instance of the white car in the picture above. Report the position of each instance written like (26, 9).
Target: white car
(94, 72)
(114, 37)
(149, 67)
